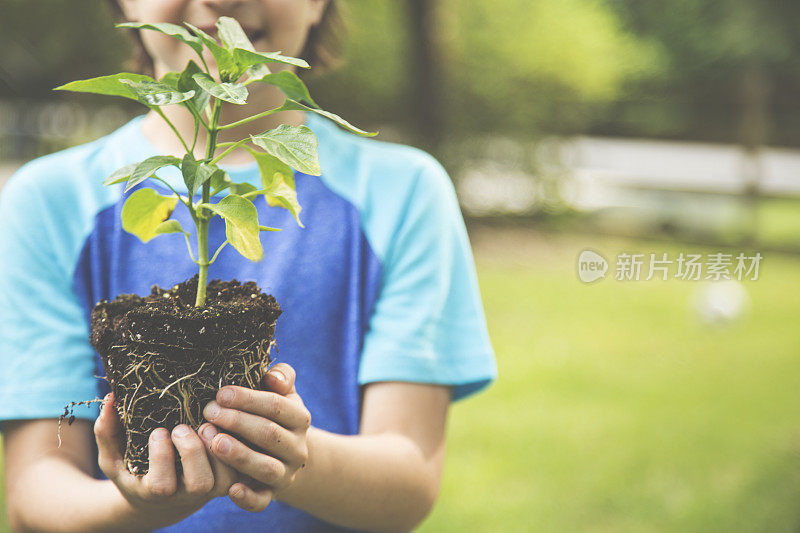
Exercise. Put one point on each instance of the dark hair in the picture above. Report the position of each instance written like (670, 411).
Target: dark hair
(322, 50)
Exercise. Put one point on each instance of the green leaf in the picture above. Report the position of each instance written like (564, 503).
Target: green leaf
(187, 83)
(173, 30)
(195, 174)
(234, 93)
(121, 174)
(267, 228)
(183, 82)
(290, 104)
(292, 86)
(232, 35)
(241, 188)
(144, 211)
(228, 69)
(248, 58)
(294, 145)
(154, 93)
(277, 179)
(219, 181)
(241, 224)
(107, 85)
(170, 226)
(257, 72)
(171, 79)
(146, 168)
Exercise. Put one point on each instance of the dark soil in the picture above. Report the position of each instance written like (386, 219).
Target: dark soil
(165, 359)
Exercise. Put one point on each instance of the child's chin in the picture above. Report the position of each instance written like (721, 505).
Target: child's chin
(212, 69)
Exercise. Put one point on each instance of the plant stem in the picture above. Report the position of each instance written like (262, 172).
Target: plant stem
(198, 117)
(253, 193)
(219, 250)
(249, 119)
(171, 125)
(189, 247)
(187, 203)
(231, 148)
(203, 61)
(203, 218)
(196, 130)
(202, 262)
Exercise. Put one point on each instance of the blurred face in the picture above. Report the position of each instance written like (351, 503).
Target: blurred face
(272, 25)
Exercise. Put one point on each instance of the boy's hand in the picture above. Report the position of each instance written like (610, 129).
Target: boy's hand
(162, 497)
(273, 424)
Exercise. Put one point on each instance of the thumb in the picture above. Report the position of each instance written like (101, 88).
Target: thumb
(107, 431)
(280, 379)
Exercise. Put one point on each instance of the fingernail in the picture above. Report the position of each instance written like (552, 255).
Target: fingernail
(224, 445)
(181, 431)
(160, 434)
(226, 396)
(279, 376)
(211, 411)
(209, 431)
(237, 490)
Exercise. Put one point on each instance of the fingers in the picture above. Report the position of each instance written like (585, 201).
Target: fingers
(280, 379)
(107, 430)
(198, 479)
(260, 467)
(266, 434)
(224, 475)
(161, 479)
(249, 499)
(289, 413)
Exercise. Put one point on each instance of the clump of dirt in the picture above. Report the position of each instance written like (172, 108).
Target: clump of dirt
(165, 359)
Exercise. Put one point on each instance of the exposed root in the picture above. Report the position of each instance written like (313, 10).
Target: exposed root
(68, 410)
(187, 376)
(166, 359)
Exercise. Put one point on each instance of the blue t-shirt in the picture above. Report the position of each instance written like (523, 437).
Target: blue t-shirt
(380, 285)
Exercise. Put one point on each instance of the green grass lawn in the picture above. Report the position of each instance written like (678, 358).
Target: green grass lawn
(616, 409)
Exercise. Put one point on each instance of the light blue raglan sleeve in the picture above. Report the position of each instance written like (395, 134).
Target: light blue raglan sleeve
(428, 323)
(46, 359)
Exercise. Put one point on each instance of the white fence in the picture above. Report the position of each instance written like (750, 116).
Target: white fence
(592, 173)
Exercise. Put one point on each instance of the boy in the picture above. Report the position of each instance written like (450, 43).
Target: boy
(383, 324)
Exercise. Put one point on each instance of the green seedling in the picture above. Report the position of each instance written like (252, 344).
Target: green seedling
(278, 151)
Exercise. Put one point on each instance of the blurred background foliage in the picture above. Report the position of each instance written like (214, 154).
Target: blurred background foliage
(688, 69)
(513, 66)
(42, 44)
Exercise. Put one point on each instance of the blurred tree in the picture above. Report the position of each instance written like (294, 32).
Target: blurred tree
(527, 66)
(378, 37)
(516, 66)
(427, 80)
(733, 76)
(48, 42)
(732, 71)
